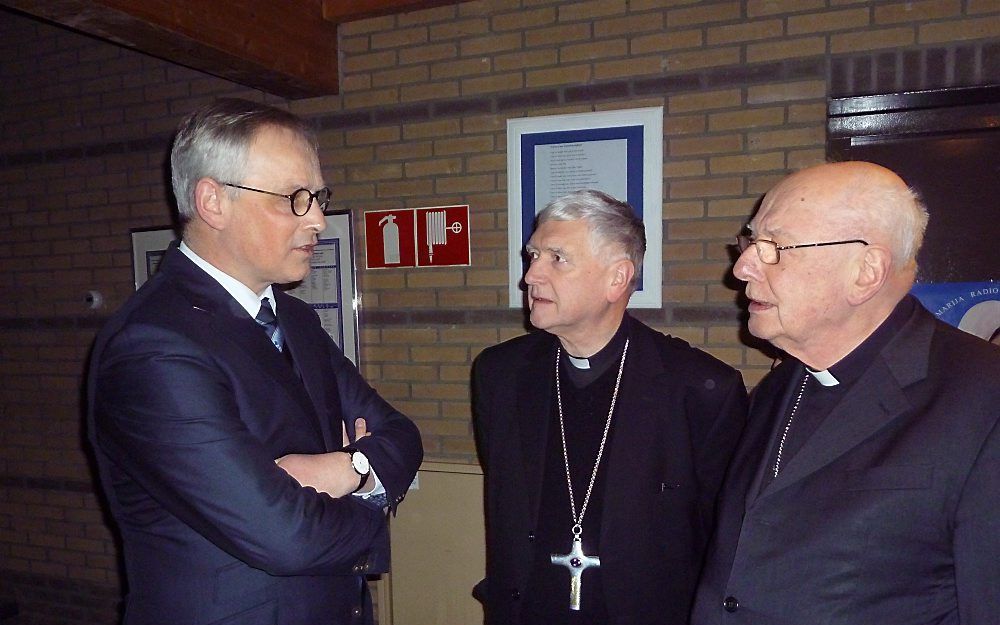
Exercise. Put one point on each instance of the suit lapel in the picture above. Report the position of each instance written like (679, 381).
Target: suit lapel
(534, 392)
(306, 353)
(767, 408)
(871, 404)
(644, 384)
(227, 319)
(874, 401)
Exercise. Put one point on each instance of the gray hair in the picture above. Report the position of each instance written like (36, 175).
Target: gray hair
(895, 212)
(213, 142)
(911, 224)
(611, 223)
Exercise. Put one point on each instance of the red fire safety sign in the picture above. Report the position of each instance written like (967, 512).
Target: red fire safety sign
(390, 239)
(417, 237)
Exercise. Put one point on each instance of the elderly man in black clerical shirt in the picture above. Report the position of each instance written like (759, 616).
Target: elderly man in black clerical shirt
(867, 486)
(603, 442)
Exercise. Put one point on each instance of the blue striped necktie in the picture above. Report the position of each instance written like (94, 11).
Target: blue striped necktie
(265, 317)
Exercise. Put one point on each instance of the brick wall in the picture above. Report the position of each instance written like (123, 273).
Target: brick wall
(421, 121)
(85, 134)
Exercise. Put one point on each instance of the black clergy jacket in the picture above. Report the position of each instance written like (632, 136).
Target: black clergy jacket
(888, 514)
(679, 414)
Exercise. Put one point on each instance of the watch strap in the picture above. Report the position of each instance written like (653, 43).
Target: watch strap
(350, 450)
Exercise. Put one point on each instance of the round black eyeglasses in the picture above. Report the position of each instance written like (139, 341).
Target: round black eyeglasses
(301, 200)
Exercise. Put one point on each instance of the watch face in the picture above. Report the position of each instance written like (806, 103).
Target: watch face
(360, 463)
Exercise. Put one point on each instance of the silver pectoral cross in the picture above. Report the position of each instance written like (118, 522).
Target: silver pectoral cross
(575, 562)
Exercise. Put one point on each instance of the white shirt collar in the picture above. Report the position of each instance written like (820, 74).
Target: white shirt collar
(249, 300)
(579, 363)
(824, 377)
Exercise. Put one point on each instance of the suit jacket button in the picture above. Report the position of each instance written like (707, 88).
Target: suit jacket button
(531, 536)
(730, 604)
(515, 594)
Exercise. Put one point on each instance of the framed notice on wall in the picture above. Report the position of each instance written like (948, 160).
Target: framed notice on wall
(617, 152)
(148, 247)
(329, 288)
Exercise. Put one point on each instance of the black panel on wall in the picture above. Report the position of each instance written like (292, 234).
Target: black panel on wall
(945, 144)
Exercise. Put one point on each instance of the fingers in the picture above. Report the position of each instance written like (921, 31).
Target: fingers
(360, 430)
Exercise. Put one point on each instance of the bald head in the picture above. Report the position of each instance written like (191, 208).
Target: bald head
(863, 200)
(848, 234)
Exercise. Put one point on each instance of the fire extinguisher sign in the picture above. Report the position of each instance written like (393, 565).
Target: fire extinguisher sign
(417, 237)
(390, 239)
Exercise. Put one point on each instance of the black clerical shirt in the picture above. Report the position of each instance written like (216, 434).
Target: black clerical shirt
(818, 401)
(586, 398)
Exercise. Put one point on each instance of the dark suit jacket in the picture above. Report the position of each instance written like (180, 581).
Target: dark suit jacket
(189, 405)
(679, 415)
(889, 513)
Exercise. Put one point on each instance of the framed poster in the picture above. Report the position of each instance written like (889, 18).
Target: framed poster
(617, 152)
(148, 247)
(329, 288)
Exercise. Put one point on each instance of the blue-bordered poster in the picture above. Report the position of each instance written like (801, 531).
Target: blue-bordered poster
(617, 152)
(329, 288)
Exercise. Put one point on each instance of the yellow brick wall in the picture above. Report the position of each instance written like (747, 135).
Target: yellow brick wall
(421, 121)
(724, 146)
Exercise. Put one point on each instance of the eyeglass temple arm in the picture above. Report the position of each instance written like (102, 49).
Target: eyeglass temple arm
(792, 247)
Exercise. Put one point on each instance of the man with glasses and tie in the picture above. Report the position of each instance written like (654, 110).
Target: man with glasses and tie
(866, 488)
(246, 463)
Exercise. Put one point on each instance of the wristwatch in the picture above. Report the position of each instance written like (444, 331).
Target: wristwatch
(360, 463)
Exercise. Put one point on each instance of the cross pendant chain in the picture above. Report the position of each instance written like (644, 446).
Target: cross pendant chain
(575, 562)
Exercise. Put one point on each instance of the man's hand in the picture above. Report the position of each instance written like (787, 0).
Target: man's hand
(329, 473)
(360, 430)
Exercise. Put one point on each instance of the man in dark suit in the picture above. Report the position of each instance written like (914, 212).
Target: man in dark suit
(219, 407)
(603, 442)
(867, 487)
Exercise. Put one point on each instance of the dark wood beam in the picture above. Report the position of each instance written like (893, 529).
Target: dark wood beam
(339, 11)
(284, 48)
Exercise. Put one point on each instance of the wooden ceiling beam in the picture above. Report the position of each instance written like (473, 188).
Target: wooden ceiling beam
(339, 11)
(284, 48)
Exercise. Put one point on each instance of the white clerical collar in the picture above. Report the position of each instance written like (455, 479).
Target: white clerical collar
(598, 361)
(824, 377)
(243, 294)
